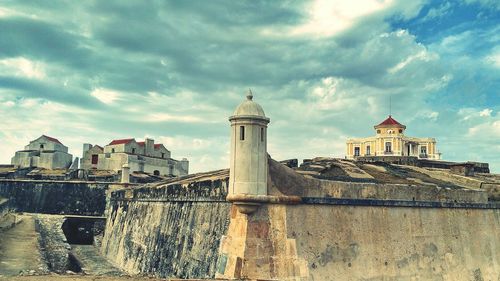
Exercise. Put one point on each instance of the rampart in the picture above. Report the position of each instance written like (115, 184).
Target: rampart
(336, 231)
(55, 197)
(172, 230)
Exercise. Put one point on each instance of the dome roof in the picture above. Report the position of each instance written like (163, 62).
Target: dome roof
(249, 107)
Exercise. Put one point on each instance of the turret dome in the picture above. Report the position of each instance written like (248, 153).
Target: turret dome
(249, 108)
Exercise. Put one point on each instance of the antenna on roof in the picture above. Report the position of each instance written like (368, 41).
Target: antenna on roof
(390, 105)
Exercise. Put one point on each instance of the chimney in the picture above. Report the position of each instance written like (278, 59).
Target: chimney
(86, 147)
(125, 174)
(149, 147)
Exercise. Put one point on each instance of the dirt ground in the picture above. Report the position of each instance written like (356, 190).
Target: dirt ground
(19, 248)
(83, 278)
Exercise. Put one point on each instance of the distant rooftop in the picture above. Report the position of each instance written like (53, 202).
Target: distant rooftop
(390, 122)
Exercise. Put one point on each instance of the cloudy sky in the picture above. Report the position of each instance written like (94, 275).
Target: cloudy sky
(94, 71)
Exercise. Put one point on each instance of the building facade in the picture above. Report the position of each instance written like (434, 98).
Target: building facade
(43, 152)
(390, 140)
(143, 156)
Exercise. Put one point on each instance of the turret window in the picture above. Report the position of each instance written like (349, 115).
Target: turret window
(242, 132)
(261, 134)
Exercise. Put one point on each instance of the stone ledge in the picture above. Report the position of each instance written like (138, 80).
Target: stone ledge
(397, 203)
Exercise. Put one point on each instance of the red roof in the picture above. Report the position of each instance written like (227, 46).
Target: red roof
(140, 143)
(122, 141)
(390, 122)
(52, 139)
(157, 145)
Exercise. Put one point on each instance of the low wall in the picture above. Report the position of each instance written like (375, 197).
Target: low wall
(169, 231)
(55, 197)
(5, 207)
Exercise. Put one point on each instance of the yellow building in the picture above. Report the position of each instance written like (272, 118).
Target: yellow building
(391, 141)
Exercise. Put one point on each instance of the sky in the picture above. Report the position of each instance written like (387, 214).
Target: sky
(324, 71)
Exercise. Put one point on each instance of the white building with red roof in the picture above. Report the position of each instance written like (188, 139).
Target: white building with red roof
(390, 140)
(43, 152)
(144, 156)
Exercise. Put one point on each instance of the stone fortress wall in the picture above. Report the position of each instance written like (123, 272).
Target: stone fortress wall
(339, 231)
(171, 230)
(55, 197)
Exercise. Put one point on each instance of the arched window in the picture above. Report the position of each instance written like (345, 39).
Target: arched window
(156, 173)
(133, 150)
(112, 150)
(242, 132)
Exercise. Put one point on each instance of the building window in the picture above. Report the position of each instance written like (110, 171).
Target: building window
(95, 159)
(423, 150)
(242, 132)
(162, 155)
(41, 146)
(390, 131)
(133, 150)
(388, 147)
(261, 134)
(367, 150)
(156, 173)
(112, 150)
(400, 131)
(378, 131)
(356, 151)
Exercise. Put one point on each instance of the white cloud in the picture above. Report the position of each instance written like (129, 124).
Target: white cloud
(422, 56)
(23, 67)
(327, 17)
(486, 112)
(437, 12)
(162, 117)
(106, 96)
(494, 59)
(490, 130)
(433, 115)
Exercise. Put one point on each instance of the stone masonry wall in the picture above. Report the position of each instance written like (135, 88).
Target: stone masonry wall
(318, 242)
(55, 197)
(169, 231)
(391, 243)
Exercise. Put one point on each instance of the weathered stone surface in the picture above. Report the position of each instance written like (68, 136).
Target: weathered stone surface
(168, 231)
(53, 244)
(379, 243)
(55, 197)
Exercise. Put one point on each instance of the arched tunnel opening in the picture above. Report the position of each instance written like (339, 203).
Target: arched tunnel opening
(79, 231)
